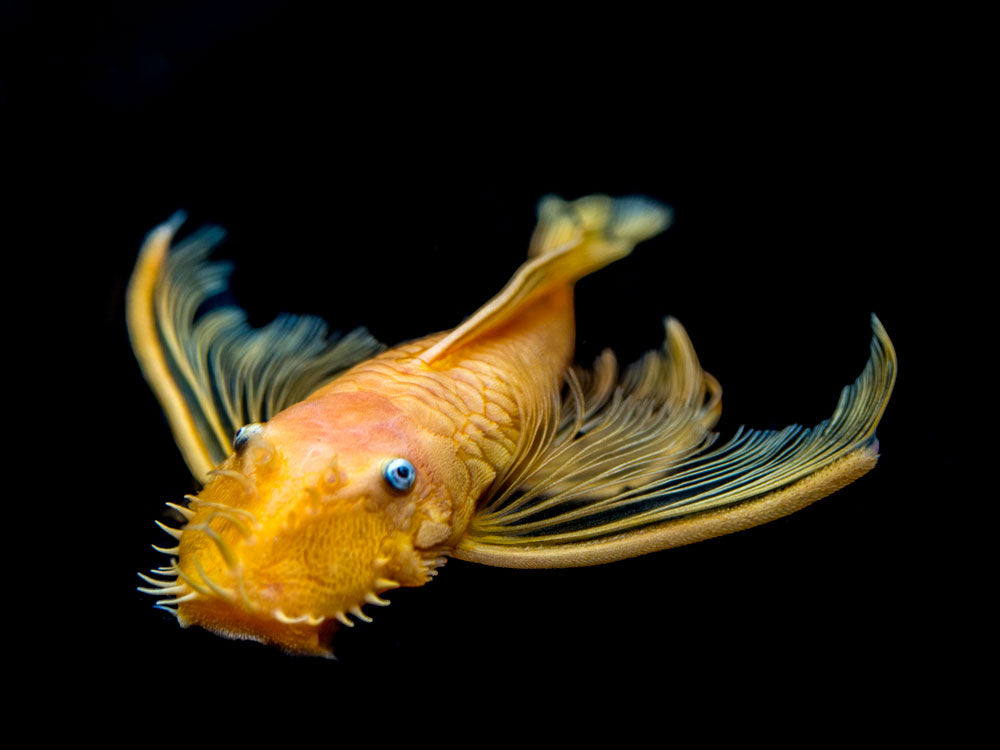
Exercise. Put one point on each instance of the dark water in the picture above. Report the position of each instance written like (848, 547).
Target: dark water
(389, 180)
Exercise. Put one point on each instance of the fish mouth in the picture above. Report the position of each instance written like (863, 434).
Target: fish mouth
(206, 585)
(304, 634)
(191, 602)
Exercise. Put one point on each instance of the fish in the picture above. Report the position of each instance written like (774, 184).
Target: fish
(335, 469)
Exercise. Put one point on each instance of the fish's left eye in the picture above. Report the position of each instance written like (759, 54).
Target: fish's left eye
(400, 474)
(243, 434)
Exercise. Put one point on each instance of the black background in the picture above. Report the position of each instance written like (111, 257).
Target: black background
(384, 172)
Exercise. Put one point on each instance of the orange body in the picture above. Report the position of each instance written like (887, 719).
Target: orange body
(312, 530)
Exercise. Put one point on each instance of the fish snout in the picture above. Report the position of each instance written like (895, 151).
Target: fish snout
(287, 569)
(283, 558)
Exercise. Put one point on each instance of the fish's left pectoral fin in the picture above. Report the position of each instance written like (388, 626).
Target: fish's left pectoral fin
(211, 371)
(756, 477)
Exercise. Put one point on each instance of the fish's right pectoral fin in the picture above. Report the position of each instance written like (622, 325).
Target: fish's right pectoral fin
(559, 517)
(212, 372)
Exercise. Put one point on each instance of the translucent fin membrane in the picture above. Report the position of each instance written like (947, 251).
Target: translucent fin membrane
(213, 373)
(643, 467)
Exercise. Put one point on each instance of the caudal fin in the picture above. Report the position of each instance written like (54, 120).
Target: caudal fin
(608, 227)
(572, 239)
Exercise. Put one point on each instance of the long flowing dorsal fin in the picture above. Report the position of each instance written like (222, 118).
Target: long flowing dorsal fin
(213, 373)
(616, 490)
(572, 239)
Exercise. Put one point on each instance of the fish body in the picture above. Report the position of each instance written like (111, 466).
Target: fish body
(334, 473)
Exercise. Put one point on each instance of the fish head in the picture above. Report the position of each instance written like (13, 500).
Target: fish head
(318, 511)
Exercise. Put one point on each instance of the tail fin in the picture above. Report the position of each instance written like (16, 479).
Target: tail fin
(609, 227)
(572, 239)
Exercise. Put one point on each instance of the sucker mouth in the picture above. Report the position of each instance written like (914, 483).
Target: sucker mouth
(211, 586)
(174, 586)
(217, 610)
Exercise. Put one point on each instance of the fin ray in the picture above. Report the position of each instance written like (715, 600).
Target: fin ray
(213, 373)
(659, 500)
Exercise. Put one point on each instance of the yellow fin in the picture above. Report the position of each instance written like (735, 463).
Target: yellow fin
(615, 433)
(572, 240)
(665, 495)
(213, 373)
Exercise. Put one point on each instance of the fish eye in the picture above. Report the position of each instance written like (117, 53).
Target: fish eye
(400, 474)
(244, 433)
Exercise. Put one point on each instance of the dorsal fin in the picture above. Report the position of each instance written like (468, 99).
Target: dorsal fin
(572, 239)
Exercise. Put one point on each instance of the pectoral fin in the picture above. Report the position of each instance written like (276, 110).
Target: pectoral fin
(669, 494)
(213, 373)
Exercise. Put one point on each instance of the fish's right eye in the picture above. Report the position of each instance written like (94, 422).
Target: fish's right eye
(245, 433)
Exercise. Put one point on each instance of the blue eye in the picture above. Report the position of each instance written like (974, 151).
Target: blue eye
(243, 434)
(400, 474)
